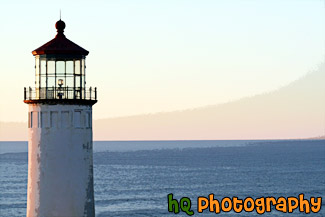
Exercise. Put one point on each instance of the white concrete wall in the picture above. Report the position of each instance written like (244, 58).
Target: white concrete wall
(60, 161)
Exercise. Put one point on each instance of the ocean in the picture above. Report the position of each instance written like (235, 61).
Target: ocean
(133, 178)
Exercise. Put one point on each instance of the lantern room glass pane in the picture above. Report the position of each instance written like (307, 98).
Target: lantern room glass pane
(60, 67)
(43, 80)
(69, 81)
(83, 66)
(77, 67)
(69, 67)
(77, 81)
(43, 73)
(43, 67)
(51, 82)
(83, 82)
(50, 67)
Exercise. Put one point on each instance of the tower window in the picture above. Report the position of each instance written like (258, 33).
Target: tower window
(44, 120)
(87, 120)
(54, 119)
(77, 119)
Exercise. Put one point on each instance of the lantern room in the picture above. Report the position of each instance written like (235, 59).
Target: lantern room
(60, 70)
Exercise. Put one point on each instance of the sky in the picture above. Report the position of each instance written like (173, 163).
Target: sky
(154, 56)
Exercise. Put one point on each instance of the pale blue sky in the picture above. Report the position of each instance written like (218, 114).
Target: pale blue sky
(152, 56)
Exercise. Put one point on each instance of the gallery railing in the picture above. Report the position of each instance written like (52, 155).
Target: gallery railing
(60, 93)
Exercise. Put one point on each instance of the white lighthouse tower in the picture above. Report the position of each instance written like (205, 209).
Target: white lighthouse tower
(60, 146)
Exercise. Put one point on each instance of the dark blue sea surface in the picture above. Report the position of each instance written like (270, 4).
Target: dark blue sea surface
(133, 178)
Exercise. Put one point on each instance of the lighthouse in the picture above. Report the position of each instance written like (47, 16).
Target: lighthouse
(60, 146)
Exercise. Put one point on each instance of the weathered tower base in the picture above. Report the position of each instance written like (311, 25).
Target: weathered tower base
(60, 164)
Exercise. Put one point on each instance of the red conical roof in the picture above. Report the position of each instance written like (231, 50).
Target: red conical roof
(60, 44)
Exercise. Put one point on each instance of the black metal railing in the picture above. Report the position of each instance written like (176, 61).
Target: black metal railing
(60, 93)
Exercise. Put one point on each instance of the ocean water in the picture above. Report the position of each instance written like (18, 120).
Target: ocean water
(134, 178)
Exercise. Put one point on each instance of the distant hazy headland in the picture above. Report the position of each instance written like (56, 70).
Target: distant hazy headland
(293, 111)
